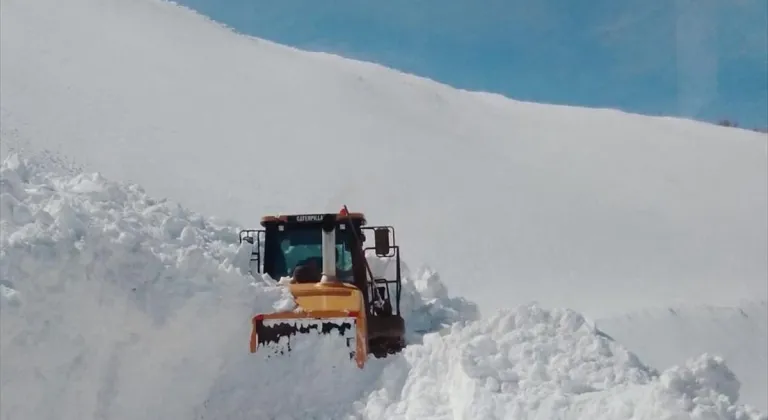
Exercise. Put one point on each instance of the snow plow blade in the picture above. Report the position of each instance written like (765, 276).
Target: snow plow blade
(324, 308)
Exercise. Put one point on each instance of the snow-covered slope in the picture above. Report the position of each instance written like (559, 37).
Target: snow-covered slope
(510, 201)
(667, 336)
(116, 305)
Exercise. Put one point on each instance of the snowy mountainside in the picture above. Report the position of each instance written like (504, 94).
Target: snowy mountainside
(666, 336)
(571, 199)
(116, 305)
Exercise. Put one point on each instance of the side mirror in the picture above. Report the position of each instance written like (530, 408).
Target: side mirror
(381, 237)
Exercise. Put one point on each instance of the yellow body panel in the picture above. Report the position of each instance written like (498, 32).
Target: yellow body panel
(327, 297)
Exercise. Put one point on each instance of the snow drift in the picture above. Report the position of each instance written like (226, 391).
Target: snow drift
(116, 305)
(106, 289)
(666, 336)
(532, 363)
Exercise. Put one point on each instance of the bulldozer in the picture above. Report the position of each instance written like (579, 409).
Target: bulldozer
(321, 259)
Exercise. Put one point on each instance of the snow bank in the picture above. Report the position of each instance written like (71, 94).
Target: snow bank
(531, 363)
(665, 336)
(425, 301)
(114, 305)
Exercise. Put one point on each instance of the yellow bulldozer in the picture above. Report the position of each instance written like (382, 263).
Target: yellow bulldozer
(335, 290)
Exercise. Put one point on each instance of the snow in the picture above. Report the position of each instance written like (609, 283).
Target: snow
(110, 310)
(532, 363)
(666, 336)
(558, 199)
(119, 301)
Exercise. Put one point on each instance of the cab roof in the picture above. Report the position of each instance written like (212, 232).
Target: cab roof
(310, 218)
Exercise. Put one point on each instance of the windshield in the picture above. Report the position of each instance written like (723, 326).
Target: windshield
(304, 247)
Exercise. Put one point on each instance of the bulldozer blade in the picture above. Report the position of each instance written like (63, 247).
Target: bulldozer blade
(274, 331)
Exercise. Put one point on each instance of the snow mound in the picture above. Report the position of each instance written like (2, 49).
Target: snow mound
(115, 305)
(668, 335)
(425, 302)
(532, 363)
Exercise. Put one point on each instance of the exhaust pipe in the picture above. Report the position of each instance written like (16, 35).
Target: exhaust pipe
(329, 249)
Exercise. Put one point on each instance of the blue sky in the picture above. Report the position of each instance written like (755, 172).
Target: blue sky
(703, 59)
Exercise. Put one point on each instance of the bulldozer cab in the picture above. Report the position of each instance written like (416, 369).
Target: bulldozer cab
(307, 248)
(289, 248)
